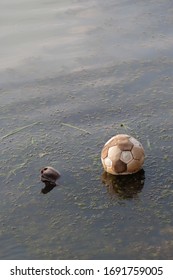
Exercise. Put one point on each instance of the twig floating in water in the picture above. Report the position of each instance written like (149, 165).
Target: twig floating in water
(148, 144)
(125, 126)
(18, 130)
(75, 127)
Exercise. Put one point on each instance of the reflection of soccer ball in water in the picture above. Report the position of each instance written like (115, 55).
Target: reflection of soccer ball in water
(122, 154)
(124, 187)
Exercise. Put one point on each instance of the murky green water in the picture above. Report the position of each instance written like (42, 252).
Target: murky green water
(102, 67)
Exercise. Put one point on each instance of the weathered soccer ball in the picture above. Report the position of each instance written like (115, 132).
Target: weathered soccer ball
(122, 154)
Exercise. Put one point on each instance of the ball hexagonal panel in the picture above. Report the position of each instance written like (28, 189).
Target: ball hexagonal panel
(126, 156)
(114, 153)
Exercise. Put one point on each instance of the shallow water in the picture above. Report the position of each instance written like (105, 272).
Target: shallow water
(73, 74)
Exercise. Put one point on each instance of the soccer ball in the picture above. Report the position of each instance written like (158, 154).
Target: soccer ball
(122, 154)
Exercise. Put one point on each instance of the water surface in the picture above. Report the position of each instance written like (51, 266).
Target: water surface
(73, 74)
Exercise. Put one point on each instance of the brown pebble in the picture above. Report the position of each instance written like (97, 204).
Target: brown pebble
(49, 174)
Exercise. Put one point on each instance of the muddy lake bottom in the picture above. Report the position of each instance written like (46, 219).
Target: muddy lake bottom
(61, 112)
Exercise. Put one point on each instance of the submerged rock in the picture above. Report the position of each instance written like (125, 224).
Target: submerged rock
(49, 176)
